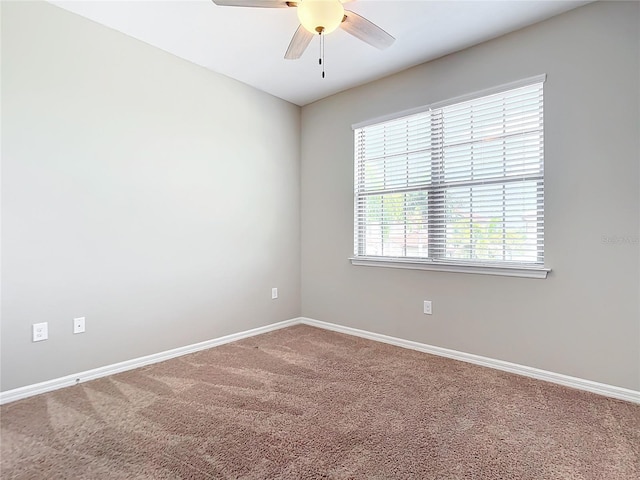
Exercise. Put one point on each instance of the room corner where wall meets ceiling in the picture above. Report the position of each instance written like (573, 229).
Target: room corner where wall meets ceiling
(584, 319)
(154, 198)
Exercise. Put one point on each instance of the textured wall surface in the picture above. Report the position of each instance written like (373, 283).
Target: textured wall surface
(584, 319)
(155, 198)
(162, 202)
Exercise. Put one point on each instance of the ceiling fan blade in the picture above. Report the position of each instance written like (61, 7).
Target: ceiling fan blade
(365, 30)
(255, 3)
(299, 43)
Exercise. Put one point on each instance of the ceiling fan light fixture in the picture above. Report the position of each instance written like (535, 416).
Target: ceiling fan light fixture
(320, 16)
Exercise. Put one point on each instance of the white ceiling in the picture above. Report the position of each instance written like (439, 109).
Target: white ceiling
(248, 44)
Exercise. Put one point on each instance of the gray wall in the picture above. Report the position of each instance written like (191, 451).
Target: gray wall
(155, 198)
(584, 320)
(162, 202)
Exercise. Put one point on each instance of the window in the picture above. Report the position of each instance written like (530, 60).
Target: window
(457, 185)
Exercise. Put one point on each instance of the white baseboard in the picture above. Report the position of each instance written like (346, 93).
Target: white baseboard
(566, 380)
(68, 380)
(573, 382)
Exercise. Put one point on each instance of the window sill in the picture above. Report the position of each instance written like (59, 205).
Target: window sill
(414, 264)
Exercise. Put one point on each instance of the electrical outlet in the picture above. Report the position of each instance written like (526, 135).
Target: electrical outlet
(427, 307)
(274, 293)
(78, 325)
(40, 331)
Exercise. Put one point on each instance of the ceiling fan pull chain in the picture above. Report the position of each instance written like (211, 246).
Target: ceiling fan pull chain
(322, 53)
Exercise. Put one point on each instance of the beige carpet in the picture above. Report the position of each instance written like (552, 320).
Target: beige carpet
(303, 403)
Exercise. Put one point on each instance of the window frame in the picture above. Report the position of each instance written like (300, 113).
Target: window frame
(439, 263)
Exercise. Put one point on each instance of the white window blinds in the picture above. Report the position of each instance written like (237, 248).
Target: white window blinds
(458, 183)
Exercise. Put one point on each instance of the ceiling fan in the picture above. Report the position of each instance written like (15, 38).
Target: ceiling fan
(320, 17)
